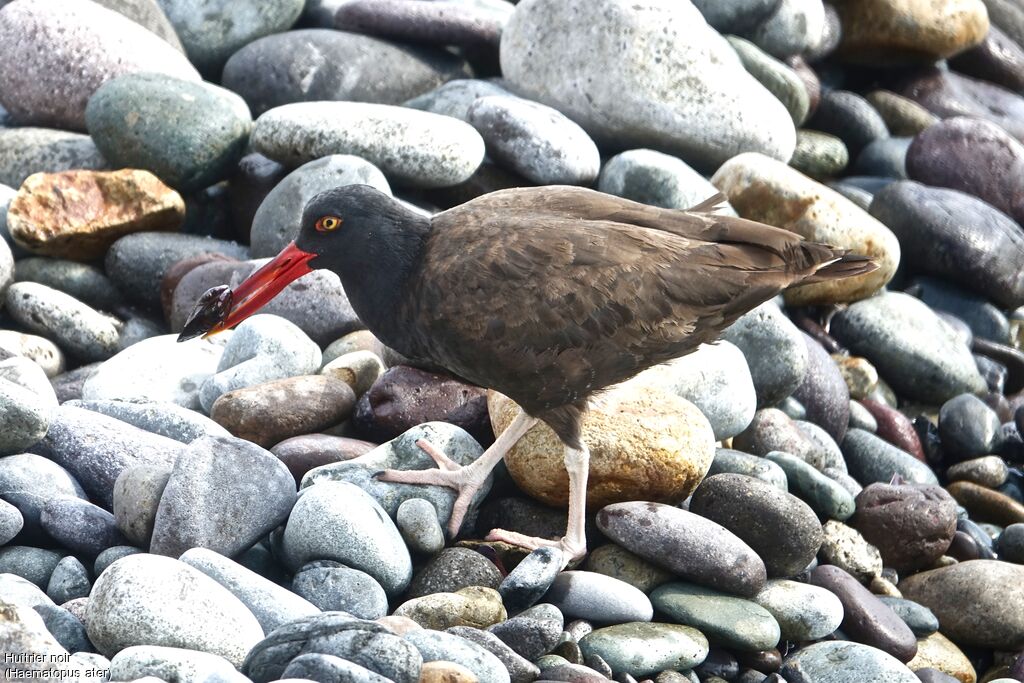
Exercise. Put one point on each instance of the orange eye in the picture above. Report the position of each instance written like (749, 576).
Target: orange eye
(328, 223)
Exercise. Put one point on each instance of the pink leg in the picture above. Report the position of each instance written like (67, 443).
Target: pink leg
(466, 480)
(574, 544)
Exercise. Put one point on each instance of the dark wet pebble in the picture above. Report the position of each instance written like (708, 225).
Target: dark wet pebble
(912, 525)
(823, 392)
(968, 428)
(849, 117)
(533, 632)
(531, 579)
(921, 620)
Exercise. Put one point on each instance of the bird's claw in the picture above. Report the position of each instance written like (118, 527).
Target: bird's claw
(572, 549)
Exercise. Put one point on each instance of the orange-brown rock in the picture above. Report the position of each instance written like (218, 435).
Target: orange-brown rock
(987, 505)
(924, 31)
(271, 412)
(645, 444)
(939, 652)
(79, 214)
(446, 672)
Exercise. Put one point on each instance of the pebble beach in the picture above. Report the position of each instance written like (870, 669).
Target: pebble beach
(833, 492)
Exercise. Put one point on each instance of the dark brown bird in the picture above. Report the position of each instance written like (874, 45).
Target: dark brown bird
(545, 294)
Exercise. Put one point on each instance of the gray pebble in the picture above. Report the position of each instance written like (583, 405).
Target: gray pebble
(325, 668)
(137, 493)
(24, 151)
(65, 627)
(417, 521)
(81, 330)
(69, 580)
(112, 555)
(166, 419)
(596, 597)
(454, 98)
(171, 664)
(33, 564)
(738, 462)
(871, 459)
(520, 669)
(531, 579)
(453, 569)
(11, 522)
(333, 587)
(80, 526)
(825, 496)
(437, 646)
(533, 632)
(85, 282)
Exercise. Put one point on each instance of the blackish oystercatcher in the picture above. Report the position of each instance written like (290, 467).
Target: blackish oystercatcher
(546, 294)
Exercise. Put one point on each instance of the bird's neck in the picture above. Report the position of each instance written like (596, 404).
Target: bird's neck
(380, 280)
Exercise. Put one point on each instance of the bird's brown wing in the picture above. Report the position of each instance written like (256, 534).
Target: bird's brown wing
(548, 308)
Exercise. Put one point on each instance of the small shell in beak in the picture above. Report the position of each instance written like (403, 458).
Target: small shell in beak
(211, 309)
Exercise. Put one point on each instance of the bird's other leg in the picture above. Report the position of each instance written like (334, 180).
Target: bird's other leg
(466, 480)
(574, 544)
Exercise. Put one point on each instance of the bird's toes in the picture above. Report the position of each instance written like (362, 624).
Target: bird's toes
(413, 477)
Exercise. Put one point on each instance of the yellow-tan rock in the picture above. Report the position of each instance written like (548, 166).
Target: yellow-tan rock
(938, 652)
(924, 31)
(860, 375)
(645, 444)
(474, 606)
(446, 672)
(79, 214)
(763, 189)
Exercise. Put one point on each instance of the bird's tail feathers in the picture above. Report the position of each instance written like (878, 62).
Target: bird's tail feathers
(846, 265)
(716, 202)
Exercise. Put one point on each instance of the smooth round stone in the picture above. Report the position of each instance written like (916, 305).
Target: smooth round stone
(911, 525)
(149, 15)
(736, 462)
(937, 652)
(847, 549)
(95, 449)
(642, 649)
(69, 581)
(968, 428)
(819, 155)
(359, 369)
(814, 211)
(650, 177)
(365, 643)
(998, 59)
(417, 521)
(270, 412)
(81, 330)
(850, 118)
(774, 349)
(339, 521)
(686, 544)
(795, 27)
(11, 522)
(866, 618)
(978, 603)
(599, 598)
(112, 555)
(223, 494)
(342, 589)
(446, 23)
(437, 646)
(885, 158)
(992, 160)
(20, 591)
(987, 505)
(1011, 543)
(278, 219)
(804, 612)
(772, 430)
(535, 141)
(840, 661)
(150, 600)
(870, 459)
(24, 151)
(989, 471)
(32, 564)
(716, 379)
(317, 667)
(455, 97)
(137, 263)
(617, 562)
(272, 605)
(189, 134)
(312, 65)
(531, 579)
(915, 352)
(520, 669)
(453, 569)
(412, 147)
(861, 417)
(212, 30)
(533, 632)
(404, 397)
(301, 454)
(781, 528)
(170, 663)
(902, 116)
(80, 526)
(780, 80)
(735, 16)
(1008, 16)
(881, 33)
(824, 394)
(473, 606)
(51, 87)
(41, 476)
(85, 282)
(24, 416)
(166, 419)
(158, 371)
(984, 318)
(917, 617)
(402, 453)
(263, 348)
(895, 427)
(726, 620)
(634, 98)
